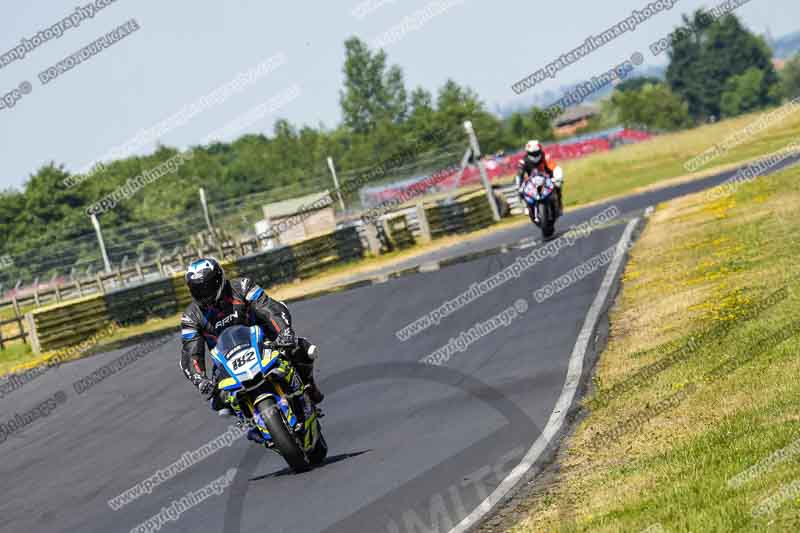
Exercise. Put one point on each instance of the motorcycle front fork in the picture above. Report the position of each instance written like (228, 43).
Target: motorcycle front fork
(253, 434)
(532, 211)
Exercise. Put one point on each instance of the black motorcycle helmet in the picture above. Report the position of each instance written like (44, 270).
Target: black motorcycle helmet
(205, 279)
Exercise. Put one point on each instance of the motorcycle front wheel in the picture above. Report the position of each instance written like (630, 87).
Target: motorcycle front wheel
(283, 438)
(547, 218)
(320, 451)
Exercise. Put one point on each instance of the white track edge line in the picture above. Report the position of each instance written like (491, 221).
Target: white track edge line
(559, 414)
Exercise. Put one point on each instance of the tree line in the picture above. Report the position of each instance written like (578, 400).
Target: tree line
(718, 70)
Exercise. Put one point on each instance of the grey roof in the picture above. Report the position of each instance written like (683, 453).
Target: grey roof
(301, 204)
(576, 113)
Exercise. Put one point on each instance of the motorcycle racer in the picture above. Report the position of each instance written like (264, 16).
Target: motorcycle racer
(536, 160)
(219, 303)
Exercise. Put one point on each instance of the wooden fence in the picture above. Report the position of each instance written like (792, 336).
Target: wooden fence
(130, 300)
(69, 323)
(16, 318)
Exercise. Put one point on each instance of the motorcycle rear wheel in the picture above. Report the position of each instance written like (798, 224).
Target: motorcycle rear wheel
(283, 438)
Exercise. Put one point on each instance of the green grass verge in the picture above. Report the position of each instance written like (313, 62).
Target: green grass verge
(645, 164)
(14, 356)
(699, 381)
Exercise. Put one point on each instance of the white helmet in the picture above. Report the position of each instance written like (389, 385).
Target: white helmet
(534, 150)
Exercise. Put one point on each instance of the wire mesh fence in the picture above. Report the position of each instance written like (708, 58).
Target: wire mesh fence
(45, 262)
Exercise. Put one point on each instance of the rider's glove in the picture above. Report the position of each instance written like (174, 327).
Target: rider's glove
(206, 387)
(286, 339)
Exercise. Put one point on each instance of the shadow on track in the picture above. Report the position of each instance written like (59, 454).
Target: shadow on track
(328, 461)
(422, 489)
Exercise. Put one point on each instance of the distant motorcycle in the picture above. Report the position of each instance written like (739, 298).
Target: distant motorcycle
(540, 194)
(266, 393)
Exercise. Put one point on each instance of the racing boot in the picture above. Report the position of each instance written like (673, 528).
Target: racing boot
(304, 356)
(254, 435)
(219, 400)
(311, 387)
(221, 408)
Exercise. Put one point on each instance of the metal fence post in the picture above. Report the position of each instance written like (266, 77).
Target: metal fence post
(212, 234)
(36, 291)
(96, 225)
(387, 228)
(159, 266)
(336, 183)
(55, 283)
(424, 227)
(476, 151)
(374, 244)
(33, 334)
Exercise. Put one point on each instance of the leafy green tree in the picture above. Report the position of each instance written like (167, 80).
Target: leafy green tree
(790, 78)
(371, 91)
(516, 129)
(743, 93)
(12, 205)
(653, 106)
(714, 52)
(634, 84)
(396, 97)
(687, 67)
(540, 124)
(456, 104)
(520, 127)
(45, 229)
(736, 53)
(421, 111)
(362, 83)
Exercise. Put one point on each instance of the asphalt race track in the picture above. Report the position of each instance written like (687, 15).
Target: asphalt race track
(412, 447)
(628, 204)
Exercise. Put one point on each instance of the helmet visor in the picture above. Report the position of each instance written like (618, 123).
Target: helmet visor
(205, 280)
(204, 292)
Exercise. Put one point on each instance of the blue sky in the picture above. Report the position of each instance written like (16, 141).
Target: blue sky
(185, 49)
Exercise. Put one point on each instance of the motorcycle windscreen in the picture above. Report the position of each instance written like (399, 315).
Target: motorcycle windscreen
(232, 338)
(240, 356)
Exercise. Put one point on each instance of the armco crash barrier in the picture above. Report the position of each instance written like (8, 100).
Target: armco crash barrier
(304, 259)
(470, 213)
(397, 233)
(70, 323)
(66, 324)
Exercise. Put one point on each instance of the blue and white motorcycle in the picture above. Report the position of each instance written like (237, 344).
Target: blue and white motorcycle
(541, 196)
(266, 393)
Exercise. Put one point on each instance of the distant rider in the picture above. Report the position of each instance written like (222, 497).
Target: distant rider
(536, 160)
(219, 303)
